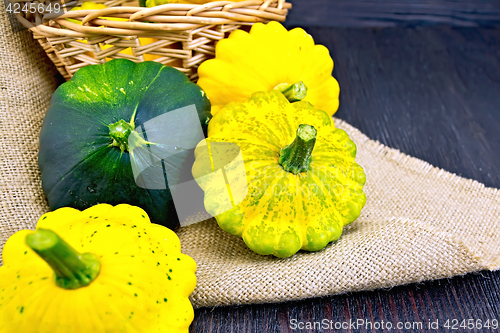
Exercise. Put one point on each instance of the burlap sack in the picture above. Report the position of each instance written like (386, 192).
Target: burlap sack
(419, 223)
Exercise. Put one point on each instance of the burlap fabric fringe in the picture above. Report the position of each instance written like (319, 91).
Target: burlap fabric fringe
(419, 223)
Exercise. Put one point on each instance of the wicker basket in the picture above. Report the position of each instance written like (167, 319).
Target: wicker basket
(178, 35)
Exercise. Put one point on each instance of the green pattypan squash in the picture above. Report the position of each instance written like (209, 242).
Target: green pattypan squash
(84, 156)
(105, 269)
(303, 184)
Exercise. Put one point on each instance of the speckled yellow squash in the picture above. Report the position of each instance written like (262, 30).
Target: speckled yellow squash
(302, 180)
(106, 269)
(267, 57)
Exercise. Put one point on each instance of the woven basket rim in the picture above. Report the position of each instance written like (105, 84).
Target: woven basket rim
(177, 35)
(165, 18)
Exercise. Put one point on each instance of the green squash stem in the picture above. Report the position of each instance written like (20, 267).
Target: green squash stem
(294, 93)
(72, 269)
(295, 157)
(124, 136)
(119, 132)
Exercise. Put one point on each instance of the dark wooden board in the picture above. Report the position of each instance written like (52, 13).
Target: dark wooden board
(433, 93)
(382, 13)
(471, 297)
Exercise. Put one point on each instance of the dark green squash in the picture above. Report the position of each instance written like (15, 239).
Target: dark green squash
(82, 162)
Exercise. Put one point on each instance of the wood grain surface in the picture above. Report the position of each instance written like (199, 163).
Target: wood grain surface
(433, 93)
(383, 13)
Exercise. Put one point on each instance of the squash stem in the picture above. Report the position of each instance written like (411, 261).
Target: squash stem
(119, 132)
(294, 93)
(295, 157)
(72, 269)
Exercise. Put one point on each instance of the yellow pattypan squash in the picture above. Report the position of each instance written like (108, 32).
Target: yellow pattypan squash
(105, 269)
(269, 57)
(302, 182)
(89, 5)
